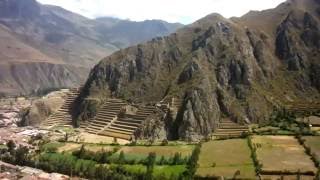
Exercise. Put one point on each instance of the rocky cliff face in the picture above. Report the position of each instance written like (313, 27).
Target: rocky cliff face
(239, 68)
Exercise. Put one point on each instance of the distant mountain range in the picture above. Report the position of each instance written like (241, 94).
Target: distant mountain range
(44, 47)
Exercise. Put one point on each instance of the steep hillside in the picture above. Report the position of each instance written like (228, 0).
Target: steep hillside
(34, 33)
(240, 68)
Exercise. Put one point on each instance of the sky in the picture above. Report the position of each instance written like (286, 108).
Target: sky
(183, 11)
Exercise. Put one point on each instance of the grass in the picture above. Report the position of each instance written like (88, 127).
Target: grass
(313, 142)
(53, 146)
(185, 150)
(282, 155)
(225, 158)
(2, 146)
(64, 129)
(167, 171)
(142, 152)
(131, 152)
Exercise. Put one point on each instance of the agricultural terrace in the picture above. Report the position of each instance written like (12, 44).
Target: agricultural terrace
(226, 158)
(313, 142)
(282, 155)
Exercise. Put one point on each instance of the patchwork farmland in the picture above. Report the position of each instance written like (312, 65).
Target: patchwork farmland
(282, 155)
(227, 158)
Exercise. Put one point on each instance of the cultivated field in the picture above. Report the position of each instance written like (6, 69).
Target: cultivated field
(313, 142)
(286, 177)
(142, 152)
(92, 138)
(185, 150)
(282, 155)
(225, 158)
(166, 171)
(131, 152)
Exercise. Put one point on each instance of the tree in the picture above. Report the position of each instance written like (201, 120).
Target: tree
(162, 160)
(11, 146)
(21, 156)
(176, 158)
(66, 137)
(82, 151)
(193, 162)
(121, 158)
(104, 157)
(150, 165)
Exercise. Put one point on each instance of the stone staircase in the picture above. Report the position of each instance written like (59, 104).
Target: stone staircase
(229, 129)
(124, 127)
(106, 115)
(63, 115)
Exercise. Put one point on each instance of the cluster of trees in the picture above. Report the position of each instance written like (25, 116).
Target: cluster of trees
(192, 163)
(72, 166)
(108, 157)
(99, 165)
(101, 157)
(16, 155)
(92, 165)
(286, 120)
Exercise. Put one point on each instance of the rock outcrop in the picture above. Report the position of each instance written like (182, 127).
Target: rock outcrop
(42, 108)
(240, 68)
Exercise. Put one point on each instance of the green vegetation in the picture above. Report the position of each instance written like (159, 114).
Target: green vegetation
(254, 157)
(2, 146)
(160, 171)
(192, 164)
(15, 155)
(283, 123)
(103, 164)
(52, 147)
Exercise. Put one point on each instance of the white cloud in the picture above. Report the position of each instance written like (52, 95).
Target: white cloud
(184, 11)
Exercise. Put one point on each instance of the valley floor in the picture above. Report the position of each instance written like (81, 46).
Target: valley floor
(264, 156)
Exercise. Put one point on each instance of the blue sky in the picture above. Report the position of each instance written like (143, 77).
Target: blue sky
(183, 11)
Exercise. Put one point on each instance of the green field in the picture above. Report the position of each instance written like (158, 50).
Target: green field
(131, 152)
(313, 142)
(53, 146)
(225, 158)
(282, 154)
(167, 171)
(167, 151)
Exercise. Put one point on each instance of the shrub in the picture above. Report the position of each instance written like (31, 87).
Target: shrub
(253, 149)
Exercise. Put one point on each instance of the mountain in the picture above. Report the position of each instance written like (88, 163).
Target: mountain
(239, 68)
(125, 32)
(46, 46)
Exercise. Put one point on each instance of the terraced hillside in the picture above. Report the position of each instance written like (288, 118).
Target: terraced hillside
(229, 129)
(106, 115)
(124, 127)
(63, 115)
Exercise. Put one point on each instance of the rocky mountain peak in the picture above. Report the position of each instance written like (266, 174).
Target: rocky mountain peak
(240, 68)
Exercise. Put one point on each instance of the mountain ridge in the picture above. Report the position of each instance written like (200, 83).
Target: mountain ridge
(38, 33)
(239, 68)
